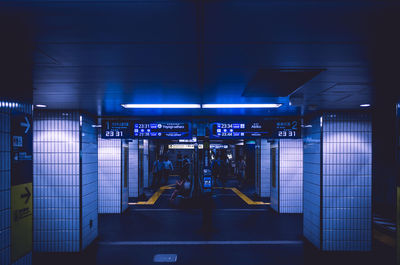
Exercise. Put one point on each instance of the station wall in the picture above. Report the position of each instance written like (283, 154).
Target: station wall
(5, 186)
(338, 189)
(110, 171)
(65, 185)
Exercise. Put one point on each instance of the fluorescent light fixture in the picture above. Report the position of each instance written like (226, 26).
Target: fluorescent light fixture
(41, 106)
(161, 106)
(365, 105)
(235, 106)
(96, 125)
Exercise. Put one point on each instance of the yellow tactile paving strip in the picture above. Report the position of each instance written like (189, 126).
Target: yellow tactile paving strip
(244, 197)
(153, 199)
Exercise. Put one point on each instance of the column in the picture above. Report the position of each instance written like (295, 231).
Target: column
(337, 190)
(287, 191)
(65, 181)
(113, 186)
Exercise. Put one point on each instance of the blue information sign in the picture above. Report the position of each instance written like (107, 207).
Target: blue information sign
(162, 130)
(265, 129)
(116, 129)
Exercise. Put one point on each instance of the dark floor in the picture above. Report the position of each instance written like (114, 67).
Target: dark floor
(227, 232)
(236, 235)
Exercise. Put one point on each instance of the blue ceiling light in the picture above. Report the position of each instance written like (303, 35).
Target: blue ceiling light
(365, 105)
(41, 106)
(161, 106)
(236, 106)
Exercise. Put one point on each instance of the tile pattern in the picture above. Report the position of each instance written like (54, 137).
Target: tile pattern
(347, 166)
(109, 182)
(133, 181)
(89, 181)
(290, 175)
(56, 182)
(265, 180)
(125, 181)
(337, 191)
(5, 182)
(275, 189)
(312, 182)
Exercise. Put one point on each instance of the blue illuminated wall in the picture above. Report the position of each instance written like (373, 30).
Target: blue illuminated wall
(5, 226)
(64, 181)
(312, 181)
(287, 196)
(344, 186)
(274, 174)
(125, 179)
(113, 195)
(109, 175)
(133, 168)
(291, 176)
(265, 185)
(5, 182)
(89, 181)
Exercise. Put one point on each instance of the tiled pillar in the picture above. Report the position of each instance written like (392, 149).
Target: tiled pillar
(287, 194)
(113, 191)
(89, 181)
(265, 185)
(65, 181)
(337, 186)
(133, 169)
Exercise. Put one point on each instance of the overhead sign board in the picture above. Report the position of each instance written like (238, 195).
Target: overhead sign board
(265, 129)
(116, 129)
(162, 130)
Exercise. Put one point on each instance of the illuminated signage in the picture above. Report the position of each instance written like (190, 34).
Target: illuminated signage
(181, 146)
(264, 129)
(162, 130)
(116, 129)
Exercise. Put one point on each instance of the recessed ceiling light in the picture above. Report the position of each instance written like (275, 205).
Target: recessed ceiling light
(41, 106)
(365, 105)
(235, 106)
(161, 106)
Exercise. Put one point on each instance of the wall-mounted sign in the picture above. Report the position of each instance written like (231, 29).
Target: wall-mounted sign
(162, 130)
(21, 184)
(264, 129)
(116, 129)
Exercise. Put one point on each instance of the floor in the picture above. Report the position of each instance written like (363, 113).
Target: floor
(228, 232)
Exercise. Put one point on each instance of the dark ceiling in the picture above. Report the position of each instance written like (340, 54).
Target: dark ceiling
(95, 55)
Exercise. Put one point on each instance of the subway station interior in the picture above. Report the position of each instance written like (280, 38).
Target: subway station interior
(199, 132)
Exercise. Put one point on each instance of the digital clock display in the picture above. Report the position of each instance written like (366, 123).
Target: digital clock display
(264, 129)
(116, 129)
(163, 130)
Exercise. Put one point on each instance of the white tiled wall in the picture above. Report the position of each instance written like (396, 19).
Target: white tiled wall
(5, 186)
(287, 195)
(291, 175)
(109, 166)
(265, 179)
(65, 181)
(342, 180)
(312, 183)
(346, 177)
(56, 182)
(125, 186)
(133, 168)
(89, 182)
(275, 190)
